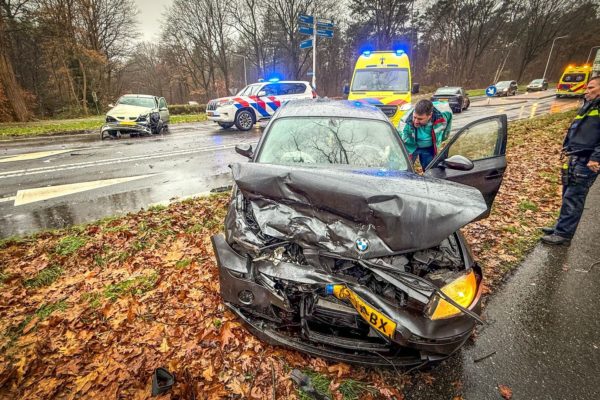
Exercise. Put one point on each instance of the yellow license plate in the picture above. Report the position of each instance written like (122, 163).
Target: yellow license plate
(375, 318)
(129, 123)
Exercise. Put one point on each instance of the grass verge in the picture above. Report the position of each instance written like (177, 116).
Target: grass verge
(73, 126)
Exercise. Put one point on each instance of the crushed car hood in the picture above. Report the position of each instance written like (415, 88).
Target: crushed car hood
(339, 210)
(125, 110)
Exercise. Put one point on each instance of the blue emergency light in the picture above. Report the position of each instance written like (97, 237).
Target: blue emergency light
(399, 52)
(366, 53)
(274, 80)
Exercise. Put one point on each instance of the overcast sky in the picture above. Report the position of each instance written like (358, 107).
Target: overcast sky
(150, 17)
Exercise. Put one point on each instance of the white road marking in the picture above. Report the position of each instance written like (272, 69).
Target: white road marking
(64, 167)
(33, 156)
(5, 199)
(38, 194)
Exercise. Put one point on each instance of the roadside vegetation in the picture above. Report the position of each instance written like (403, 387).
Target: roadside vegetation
(104, 304)
(72, 126)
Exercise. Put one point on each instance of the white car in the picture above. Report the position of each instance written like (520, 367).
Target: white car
(136, 114)
(256, 102)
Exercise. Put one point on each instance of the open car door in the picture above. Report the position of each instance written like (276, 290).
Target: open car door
(475, 156)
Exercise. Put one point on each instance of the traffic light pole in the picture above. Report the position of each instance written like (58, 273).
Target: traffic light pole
(314, 68)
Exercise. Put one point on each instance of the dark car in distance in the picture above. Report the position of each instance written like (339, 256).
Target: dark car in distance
(456, 97)
(335, 247)
(537, 85)
(506, 88)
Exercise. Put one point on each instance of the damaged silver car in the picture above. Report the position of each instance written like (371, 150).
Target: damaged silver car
(334, 246)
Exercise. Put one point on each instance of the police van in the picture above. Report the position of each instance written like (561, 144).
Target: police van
(256, 102)
(383, 79)
(573, 81)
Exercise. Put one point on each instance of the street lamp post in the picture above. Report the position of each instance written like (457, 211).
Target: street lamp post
(245, 76)
(590, 55)
(550, 55)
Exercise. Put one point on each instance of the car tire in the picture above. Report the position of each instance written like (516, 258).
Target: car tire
(244, 120)
(157, 129)
(225, 125)
(558, 96)
(468, 104)
(458, 110)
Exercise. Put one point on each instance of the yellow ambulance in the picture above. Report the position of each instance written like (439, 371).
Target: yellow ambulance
(573, 81)
(383, 79)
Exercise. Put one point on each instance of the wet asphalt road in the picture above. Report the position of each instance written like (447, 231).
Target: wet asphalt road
(83, 179)
(544, 329)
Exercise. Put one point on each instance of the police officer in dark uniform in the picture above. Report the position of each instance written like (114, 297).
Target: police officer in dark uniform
(582, 146)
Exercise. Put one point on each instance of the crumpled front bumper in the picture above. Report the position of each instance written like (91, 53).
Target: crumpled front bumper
(138, 127)
(416, 339)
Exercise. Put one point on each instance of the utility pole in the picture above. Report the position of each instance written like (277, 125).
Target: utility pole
(314, 67)
(590, 55)
(550, 55)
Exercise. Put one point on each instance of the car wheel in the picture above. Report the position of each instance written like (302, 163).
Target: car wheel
(157, 128)
(468, 104)
(225, 125)
(244, 120)
(558, 96)
(457, 110)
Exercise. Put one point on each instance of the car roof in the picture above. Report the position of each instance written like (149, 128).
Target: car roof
(449, 88)
(330, 108)
(139, 95)
(266, 82)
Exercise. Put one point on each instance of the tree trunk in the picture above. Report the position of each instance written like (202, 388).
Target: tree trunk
(84, 94)
(12, 89)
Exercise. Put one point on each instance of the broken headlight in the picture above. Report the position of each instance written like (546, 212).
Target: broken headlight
(462, 290)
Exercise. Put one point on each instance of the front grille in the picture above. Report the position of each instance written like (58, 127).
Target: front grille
(212, 105)
(388, 110)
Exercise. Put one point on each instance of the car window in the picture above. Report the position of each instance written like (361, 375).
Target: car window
(273, 89)
(162, 103)
(477, 142)
(148, 102)
(574, 78)
(381, 79)
(445, 91)
(327, 140)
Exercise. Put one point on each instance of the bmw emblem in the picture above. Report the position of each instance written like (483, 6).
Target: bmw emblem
(362, 244)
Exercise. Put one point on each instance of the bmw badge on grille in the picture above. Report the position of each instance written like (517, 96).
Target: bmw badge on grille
(362, 244)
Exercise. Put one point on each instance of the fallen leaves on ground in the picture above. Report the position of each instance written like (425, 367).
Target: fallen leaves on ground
(505, 392)
(91, 311)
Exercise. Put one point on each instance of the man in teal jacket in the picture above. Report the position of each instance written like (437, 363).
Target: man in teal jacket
(423, 129)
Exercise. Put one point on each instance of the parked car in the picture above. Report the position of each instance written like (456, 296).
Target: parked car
(537, 85)
(255, 102)
(455, 96)
(334, 246)
(136, 114)
(506, 88)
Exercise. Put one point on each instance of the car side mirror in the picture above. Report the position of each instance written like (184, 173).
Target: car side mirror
(346, 89)
(244, 150)
(458, 162)
(111, 105)
(415, 88)
(262, 93)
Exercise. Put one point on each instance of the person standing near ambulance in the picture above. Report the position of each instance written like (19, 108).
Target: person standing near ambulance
(582, 145)
(423, 129)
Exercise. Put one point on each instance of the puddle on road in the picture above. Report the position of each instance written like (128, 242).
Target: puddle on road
(67, 211)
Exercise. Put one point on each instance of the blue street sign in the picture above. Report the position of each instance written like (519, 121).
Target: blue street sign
(328, 33)
(491, 91)
(305, 30)
(306, 44)
(324, 23)
(306, 19)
